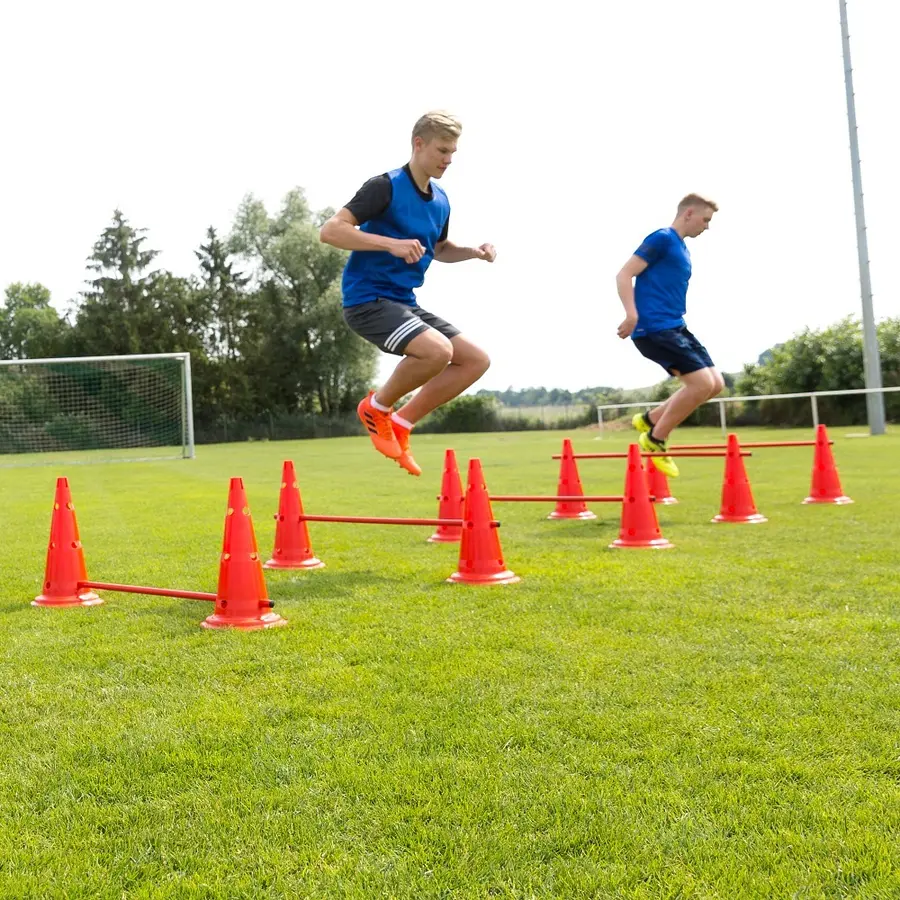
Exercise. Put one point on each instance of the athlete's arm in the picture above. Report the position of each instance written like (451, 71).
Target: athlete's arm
(341, 231)
(369, 202)
(625, 286)
(448, 252)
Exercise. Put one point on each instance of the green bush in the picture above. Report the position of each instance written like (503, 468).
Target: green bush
(827, 360)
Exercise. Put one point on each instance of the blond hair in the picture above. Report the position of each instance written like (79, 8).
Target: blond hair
(696, 200)
(437, 123)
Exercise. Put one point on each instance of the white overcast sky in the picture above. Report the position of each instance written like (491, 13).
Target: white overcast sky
(582, 126)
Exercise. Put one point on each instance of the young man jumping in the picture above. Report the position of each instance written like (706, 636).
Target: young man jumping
(653, 289)
(394, 227)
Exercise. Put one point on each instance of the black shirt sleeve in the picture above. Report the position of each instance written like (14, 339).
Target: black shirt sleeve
(372, 199)
(446, 230)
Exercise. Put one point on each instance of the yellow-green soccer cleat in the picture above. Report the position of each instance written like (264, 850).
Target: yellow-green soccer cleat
(665, 464)
(639, 422)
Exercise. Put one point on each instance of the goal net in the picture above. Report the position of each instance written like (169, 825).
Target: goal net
(95, 408)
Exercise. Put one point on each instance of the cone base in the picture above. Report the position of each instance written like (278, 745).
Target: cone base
(438, 538)
(311, 563)
(244, 623)
(505, 577)
(584, 514)
(836, 501)
(665, 501)
(753, 519)
(631, 544)
(87, 598)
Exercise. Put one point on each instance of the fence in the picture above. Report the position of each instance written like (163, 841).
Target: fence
(813, 398)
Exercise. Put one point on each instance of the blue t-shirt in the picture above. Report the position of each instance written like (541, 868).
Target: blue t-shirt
(660, 291)
(370, 274)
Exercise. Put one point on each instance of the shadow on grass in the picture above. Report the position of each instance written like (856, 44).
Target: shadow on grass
(574, 530)
(319, 584)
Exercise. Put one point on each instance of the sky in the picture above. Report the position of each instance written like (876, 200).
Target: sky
(582, 127)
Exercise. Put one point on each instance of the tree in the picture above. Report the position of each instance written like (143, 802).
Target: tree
(29, 325)
(224, 292)
(115, 314)
(468, 413)
(178, 319)
(297, 349)
(827, 360)
(889, 348)
(221, 292)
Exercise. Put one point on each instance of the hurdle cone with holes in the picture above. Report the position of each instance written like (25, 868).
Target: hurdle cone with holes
(450, 502)
(65, 566)
(570, 486)
(658, 485)
(640, 528)
(737, 497)
(480, 556)
(293, 548)
(826, 486)
(241, 599)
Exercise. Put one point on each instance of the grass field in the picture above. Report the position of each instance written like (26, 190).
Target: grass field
(721, 720)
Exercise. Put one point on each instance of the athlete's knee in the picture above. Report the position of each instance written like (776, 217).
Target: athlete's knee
(699, 389)
(468, 356)
(443, 354)
(431, 347)
(480, 362)
(717, 384)
(439, 351)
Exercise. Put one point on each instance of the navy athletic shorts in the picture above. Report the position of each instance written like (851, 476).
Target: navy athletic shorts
(391, 325)
(675, 349)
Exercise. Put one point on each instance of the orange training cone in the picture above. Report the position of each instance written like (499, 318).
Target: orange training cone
(65, 566)
(570, 486)
(241, 600)
(737, 498)
(293, 549)
(826, 486)
(658, 485)
(451, 502)
(480, 556)
(639, 528)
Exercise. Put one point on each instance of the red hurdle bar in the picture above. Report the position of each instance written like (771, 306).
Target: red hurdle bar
(752, 444)
(587, 498)
(373, 520)
(674, 455)
(138, 589)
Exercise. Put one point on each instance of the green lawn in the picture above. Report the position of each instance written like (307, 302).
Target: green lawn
(721, 720)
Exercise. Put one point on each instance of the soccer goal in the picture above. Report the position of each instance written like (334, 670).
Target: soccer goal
(96, 409)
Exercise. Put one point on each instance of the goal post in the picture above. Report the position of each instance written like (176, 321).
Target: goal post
(96, 408)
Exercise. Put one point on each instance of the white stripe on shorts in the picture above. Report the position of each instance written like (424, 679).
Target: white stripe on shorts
(397, 335)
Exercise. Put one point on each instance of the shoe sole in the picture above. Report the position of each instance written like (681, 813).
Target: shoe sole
(668, 467)
(408, 459)
(670, 471)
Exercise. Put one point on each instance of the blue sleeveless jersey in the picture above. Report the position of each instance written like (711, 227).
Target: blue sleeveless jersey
(370, 274)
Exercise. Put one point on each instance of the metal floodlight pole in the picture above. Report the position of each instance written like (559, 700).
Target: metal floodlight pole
(871, 357)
